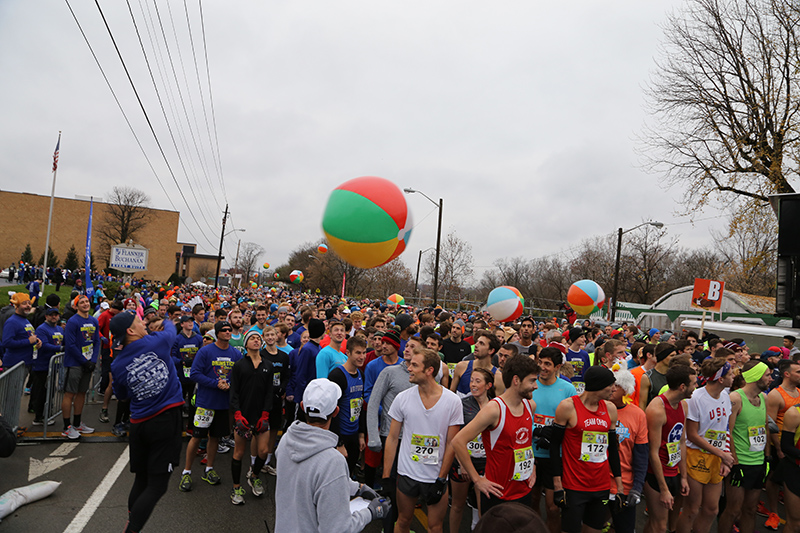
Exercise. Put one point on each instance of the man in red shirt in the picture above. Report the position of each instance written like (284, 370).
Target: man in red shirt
(105, 355)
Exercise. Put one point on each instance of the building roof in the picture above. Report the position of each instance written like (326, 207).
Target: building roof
(751, 303)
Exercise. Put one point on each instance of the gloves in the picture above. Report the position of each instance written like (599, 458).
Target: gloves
(375, 446)
(241, 423)
(187, 361)
(633, 499)
(89, 367)
(367, 492)
(542, 435)
(560, 498)
(379, 508)
(438, 490)
(388, 487)
(263, 423)
(737, 476)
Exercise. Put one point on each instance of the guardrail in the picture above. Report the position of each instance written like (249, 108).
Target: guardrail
(12, 385)
(55, 390)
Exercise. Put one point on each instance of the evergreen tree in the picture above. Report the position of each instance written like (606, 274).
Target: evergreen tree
(27, 255)
(52, 258)
(71, 261)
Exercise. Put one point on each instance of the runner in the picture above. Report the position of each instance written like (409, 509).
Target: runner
(187, 343)
(331, 355)
(525, 344)
(633, 452)
(486, 345)
(577, 357)
(653, 381)
(237, 334)
(143, 371)
(454, 348)
(306, 361)
(481, 391)
(586, 424)
(81, 348)
(312, 488)
(504, 426)
(790, 446)
(666, 473)
(429, 416)
(707, 458)
(550, 391)
(779, 400)
(648, 362)
(281, 372)
(350, 424)
(748, 422)
(211, 371)
(251, 400)
(51, 336)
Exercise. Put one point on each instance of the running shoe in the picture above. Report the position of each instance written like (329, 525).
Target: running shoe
(204, 460)
(773, 522)
(104, 416)
(762, 510)
(271, 470)
(83, 428)
(186, 483)
(41, 422)
(119, 430)
(211, 477)
(71, 433)
(223, 448)
(237, 496)
(227, 441)
(255, 484)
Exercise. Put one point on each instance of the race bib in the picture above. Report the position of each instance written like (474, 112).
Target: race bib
(674, 453)
(86, 351)
(425, 449)
(593, 446)
(716, 438)
(475, 448)
(542, 420)
(187, 371)
(203, 417)
(758, 438)
(523, 463)
(580, 386)
(452, 368)
(355, 408)
(276, 379)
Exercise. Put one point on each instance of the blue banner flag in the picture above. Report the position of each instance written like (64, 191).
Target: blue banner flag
(88, 259)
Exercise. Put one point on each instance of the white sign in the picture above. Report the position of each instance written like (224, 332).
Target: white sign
(128, 258)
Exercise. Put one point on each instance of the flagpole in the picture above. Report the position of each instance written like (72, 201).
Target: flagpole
(52, 197)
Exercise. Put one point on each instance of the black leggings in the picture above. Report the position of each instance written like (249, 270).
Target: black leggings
(146, 491)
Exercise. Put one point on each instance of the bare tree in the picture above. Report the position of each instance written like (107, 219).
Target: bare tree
(248, 259)
(647, 258)
(455, 265)
(125, 215)
(725, 97)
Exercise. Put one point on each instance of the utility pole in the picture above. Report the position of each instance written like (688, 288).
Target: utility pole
(221, 238)
(236, 264)
(438, 249)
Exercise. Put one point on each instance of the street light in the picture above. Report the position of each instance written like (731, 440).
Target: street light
(409, 190)
(616, 265)
(419, 260)
(221, 240)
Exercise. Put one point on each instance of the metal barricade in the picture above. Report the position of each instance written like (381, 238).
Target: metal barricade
(55, 390)
(12, 385)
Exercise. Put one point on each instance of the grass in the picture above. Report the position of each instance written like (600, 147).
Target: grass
(64, 293)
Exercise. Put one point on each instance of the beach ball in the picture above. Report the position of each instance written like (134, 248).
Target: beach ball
(322, 248)
(276, 275)
(266, 266)
(367, 221)
(296, 276)
(255, 275)
(395, 299)
(505, 303)
(253, 284)
(585, 296)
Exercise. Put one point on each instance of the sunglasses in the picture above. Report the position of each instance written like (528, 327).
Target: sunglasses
(223, 330)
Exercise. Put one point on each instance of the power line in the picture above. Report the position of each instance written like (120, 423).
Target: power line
(127, 121)
(147, 117)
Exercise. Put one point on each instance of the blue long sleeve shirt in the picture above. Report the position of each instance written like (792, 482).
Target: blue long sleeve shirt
(306, 369)
(185, 348)
(81, 340)
(211, 363)
(16, 332)
(52, 338)
(144, 372)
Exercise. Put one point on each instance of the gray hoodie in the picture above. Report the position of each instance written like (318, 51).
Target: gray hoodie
(313, 488)
(391, 381)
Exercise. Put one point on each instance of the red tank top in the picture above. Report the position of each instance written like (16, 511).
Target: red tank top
(509, 451)
(585, 450)
(670, 449)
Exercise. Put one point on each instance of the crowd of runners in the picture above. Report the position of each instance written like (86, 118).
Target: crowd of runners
(404, 408)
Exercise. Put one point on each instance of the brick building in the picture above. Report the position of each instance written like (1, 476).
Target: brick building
(23, 220)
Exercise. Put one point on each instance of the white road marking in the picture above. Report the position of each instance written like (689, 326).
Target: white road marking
(48, 464)
(64, 449)
(82, 518)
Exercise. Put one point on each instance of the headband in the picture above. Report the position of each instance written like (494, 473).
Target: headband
(722, 371)
(755, 373)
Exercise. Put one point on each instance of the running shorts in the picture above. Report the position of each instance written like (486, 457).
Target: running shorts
(791, 476)
(413, 488)
(673, 483)
(544, 472)
(584, 507)
(459, 475)
(76, 380)
(703, 467)
(753, 477)
(220, 426)
(155, 444)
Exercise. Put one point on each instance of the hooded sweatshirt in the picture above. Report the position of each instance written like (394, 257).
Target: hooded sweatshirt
(313, 488)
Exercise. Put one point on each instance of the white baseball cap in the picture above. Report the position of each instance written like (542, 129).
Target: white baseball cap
(320, 398)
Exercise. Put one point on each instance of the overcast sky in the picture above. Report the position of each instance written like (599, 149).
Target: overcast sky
(522, 116)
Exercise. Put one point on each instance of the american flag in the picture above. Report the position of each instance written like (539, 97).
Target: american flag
(55, 154)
